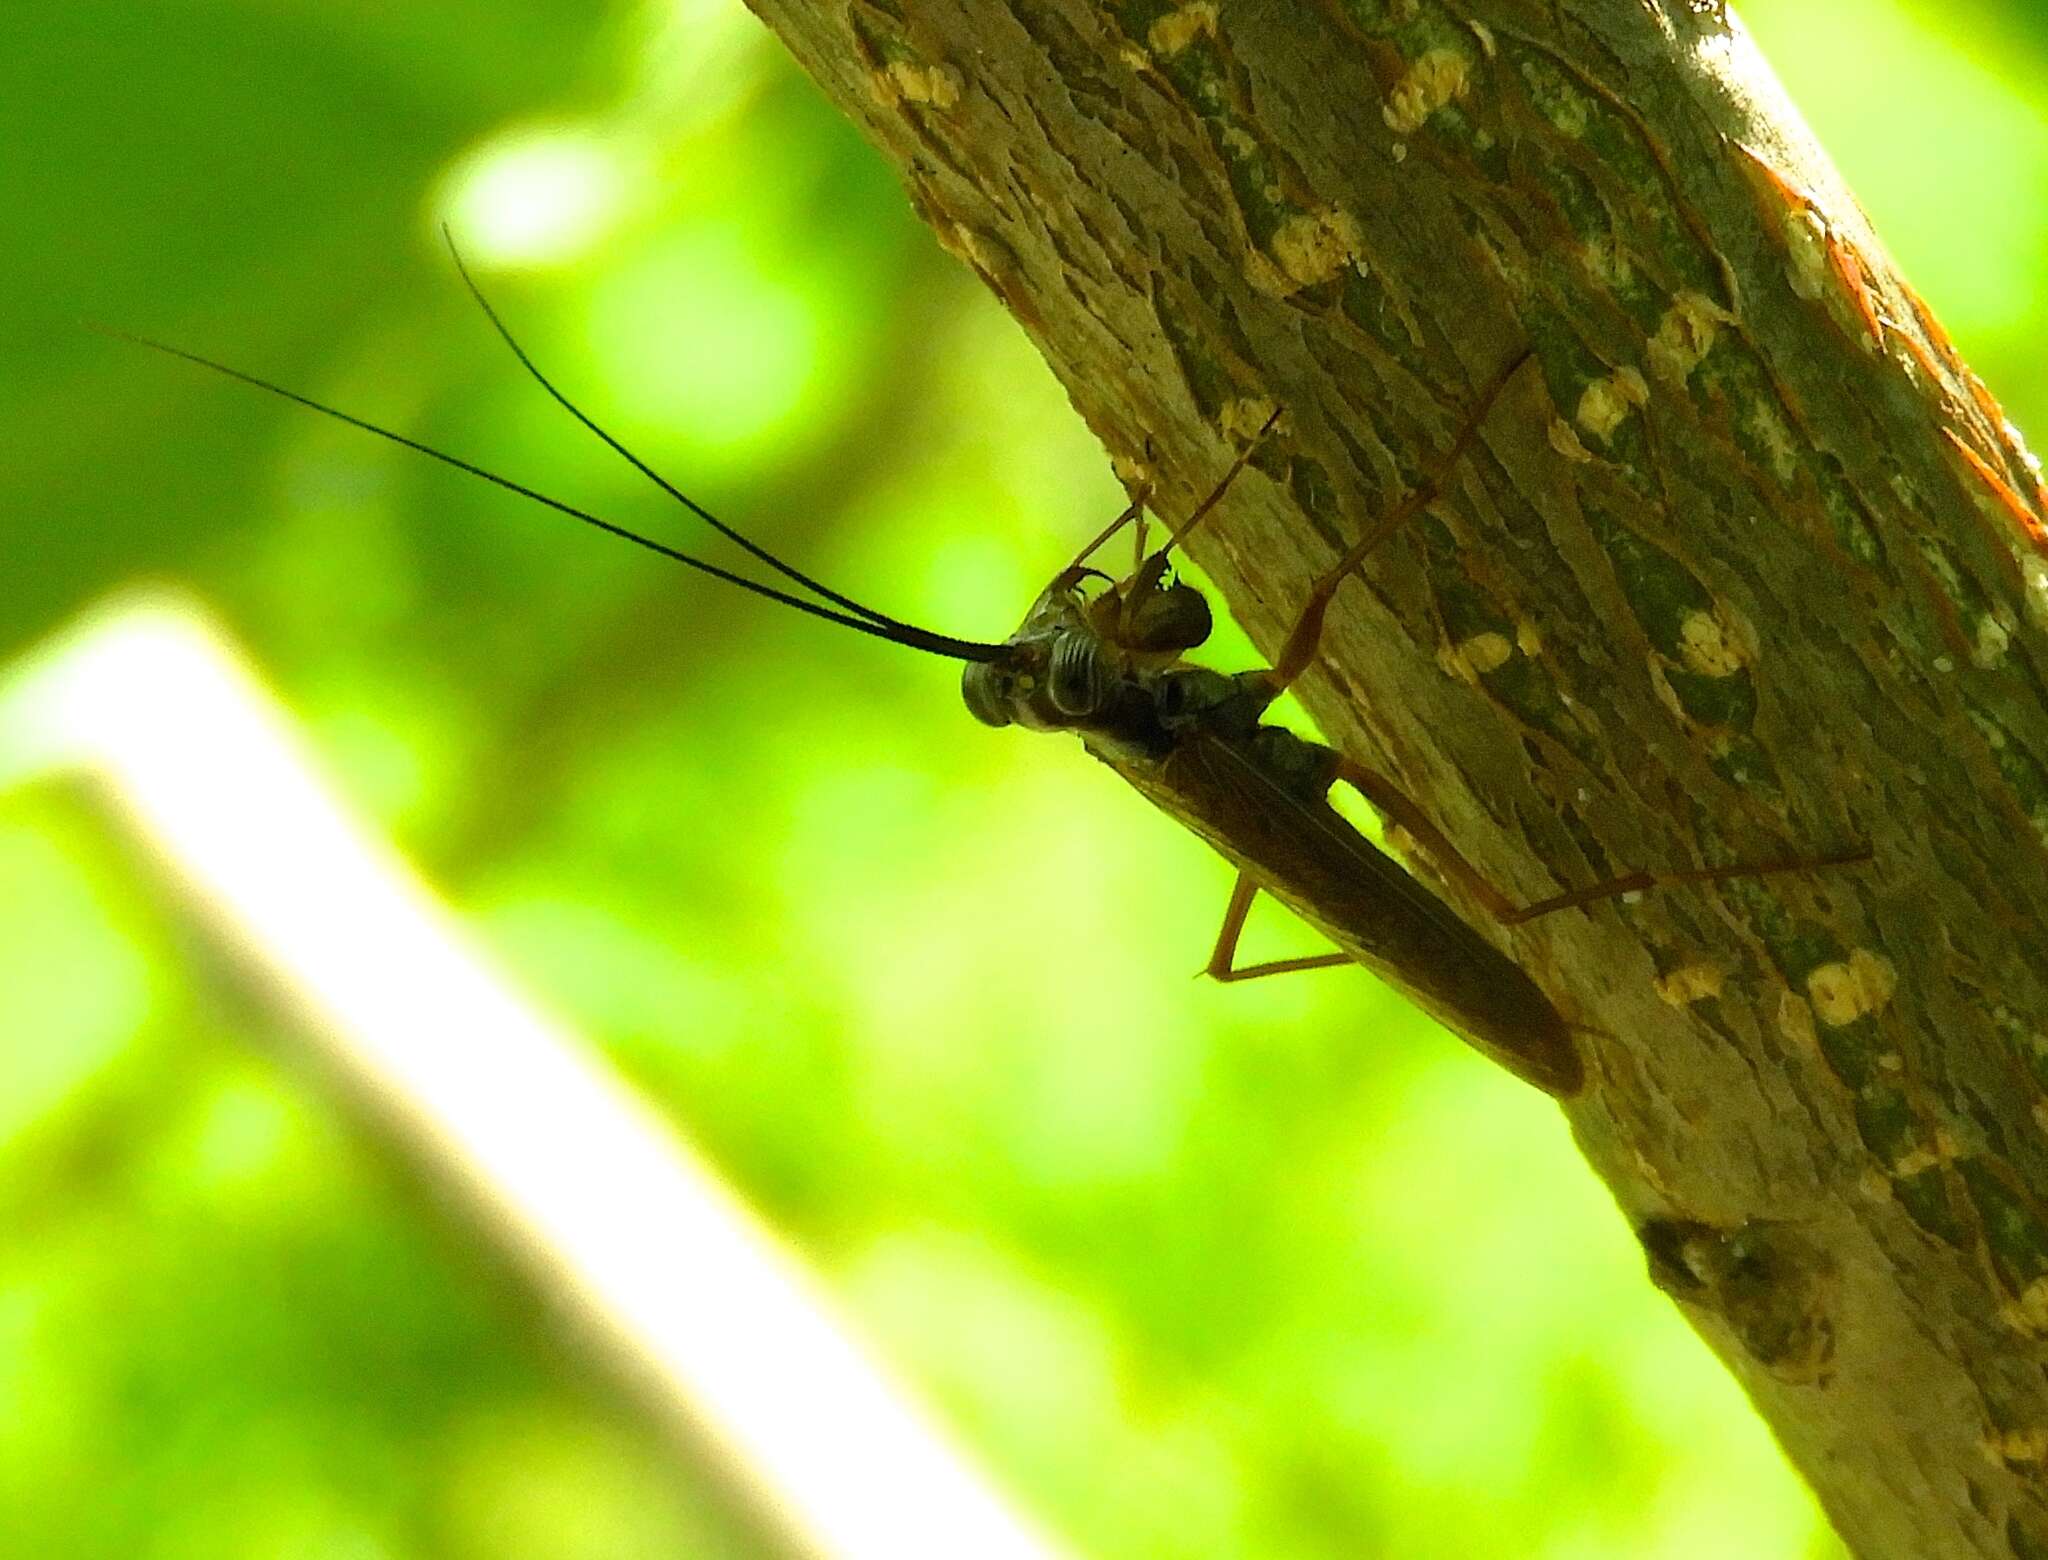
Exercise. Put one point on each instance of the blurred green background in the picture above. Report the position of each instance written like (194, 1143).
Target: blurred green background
(1195, 1271)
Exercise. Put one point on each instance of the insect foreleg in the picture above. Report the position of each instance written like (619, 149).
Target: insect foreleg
(1404, 814)
(1222, 964)
(1147, 570)
(1201, 511)
(1135, 511)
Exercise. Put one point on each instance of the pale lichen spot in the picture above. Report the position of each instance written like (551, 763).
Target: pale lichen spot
(1134, 57)
(1686, 334)
(1891, 1062)
(1852, 988)
(2028, 1446)
(1131, 470)
(1913, 1161)
(2035, 572)
(1806, 250)
(1308, 248)
(1607, 402)
(1563, 104)
(1769, 431)
(906, 81)
(1564, 438)
(1242, 143)
(1244, 417)
(1470, 659)
(1994, 638)
(1439, 77)
(1182, 26)
(1943, 664)
(1716, 643)
(1689, 983)
(2029, 1312)
(1606, 261)
(1529, 639)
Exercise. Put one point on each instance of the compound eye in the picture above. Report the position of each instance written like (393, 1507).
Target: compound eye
(1080, 679)
(986, 687)
(1172, 619)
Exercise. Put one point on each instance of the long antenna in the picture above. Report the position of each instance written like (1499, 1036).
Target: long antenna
(786, 570)
(896, 633)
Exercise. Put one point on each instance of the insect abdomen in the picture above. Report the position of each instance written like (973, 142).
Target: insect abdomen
(1300, 850)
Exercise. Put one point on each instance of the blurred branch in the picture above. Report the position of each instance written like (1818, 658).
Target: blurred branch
(1751, 566)
(614, 1217)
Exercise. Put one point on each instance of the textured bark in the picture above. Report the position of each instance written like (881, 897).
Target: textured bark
(1749, 563)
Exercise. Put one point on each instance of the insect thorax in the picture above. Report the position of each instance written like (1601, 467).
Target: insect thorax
(1062, 671)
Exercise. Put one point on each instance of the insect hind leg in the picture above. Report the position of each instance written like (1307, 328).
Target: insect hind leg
(1396, 807)
(1134, 513)
(1638, 882)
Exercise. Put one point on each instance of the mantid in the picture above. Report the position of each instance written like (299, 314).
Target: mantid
(1104, 658)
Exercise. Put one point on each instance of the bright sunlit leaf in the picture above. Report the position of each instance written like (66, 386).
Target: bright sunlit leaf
(536, 196)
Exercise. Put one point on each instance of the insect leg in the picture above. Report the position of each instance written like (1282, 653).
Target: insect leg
(1135, 511)
(1307, 632)
(1222, 964)
(1147, 570)
(1635, 882)
(1216, 493)
(1404, 814)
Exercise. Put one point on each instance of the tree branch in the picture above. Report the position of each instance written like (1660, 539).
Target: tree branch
(1750, 564)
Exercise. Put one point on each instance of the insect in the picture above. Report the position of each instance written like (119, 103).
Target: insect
(1104, 658)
